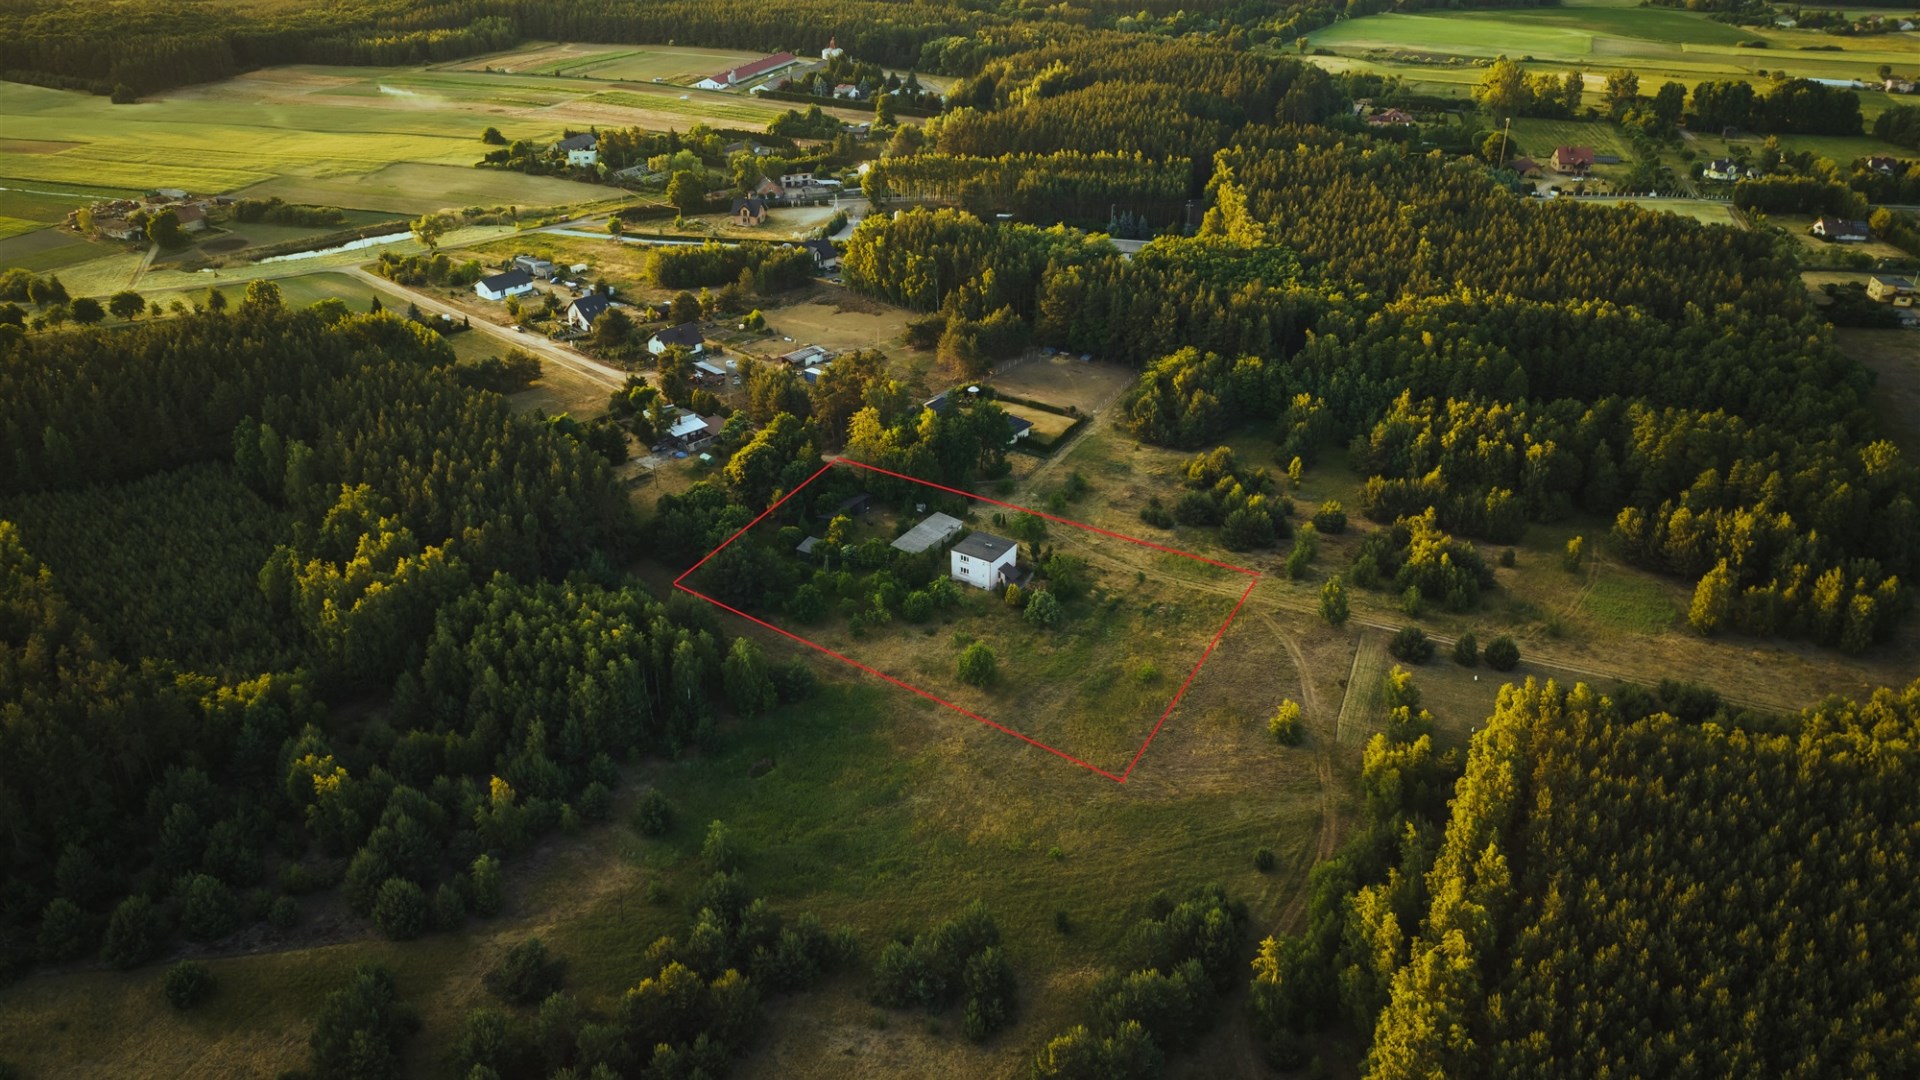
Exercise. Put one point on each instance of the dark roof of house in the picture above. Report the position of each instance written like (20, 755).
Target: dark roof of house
(1841, 225)
(1523, 164)
(984, 546)
(750, 203)
(512, 279)
(939, 402)
(684, 334)
(822, 249)
(590, 306)
(1606, 159)
(1018, 424)
(1894, 280)
(585, 141)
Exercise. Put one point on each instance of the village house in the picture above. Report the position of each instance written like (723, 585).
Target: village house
(581, 149)
(1524, 166)
(1891, 289)
(825, 255)
(1390, 118)
(984, 561)
(707, 373)
(1728, 170)
(1841, 231)
(749, 210)
(686, 336)
(191, 217)
(691, 432)
(1572, 160)
(582, 312)
(1898, 86)
(766, 189)
(1017, 428)
(501, 286)
(791, 181)
(847, 90)
(833, 51)
(1885, 166)
(732, 77)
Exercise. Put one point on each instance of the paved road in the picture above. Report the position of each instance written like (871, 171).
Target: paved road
(537, 344)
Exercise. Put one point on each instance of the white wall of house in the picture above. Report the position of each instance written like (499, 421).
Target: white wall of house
(980, 573)
(583, 157)
(489, 294)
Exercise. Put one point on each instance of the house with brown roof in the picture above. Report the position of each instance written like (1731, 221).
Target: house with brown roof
(1572, 160)
(1390, 118)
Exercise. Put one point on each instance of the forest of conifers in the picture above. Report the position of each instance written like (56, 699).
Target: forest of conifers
(269, 627)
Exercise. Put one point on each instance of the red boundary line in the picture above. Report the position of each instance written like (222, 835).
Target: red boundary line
(1050, 517)
(1118, 778)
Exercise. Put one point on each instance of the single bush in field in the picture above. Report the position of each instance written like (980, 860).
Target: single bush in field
(1043, 609)
(978, 666)
(1285, 726)
(189, 983)
(1502, 654)
(654, 815)
(1466, 651)
(1412, 645)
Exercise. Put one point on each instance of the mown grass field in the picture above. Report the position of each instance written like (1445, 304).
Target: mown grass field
(1047, 426)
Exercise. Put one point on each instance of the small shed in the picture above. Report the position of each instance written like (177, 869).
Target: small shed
(937, 529)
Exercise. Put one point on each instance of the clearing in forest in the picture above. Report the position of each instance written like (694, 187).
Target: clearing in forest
(1132, 621)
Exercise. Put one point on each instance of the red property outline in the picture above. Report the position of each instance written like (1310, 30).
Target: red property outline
(1120, 777)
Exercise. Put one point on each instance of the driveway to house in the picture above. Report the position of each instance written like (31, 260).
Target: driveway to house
(537, 344)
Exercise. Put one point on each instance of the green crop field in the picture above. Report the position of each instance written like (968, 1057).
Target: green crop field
(352, 136)
(1704, 211)
(1440, 52)
(408, 187)
(1537, 138)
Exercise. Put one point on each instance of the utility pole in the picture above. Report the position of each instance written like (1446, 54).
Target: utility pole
(1505, 133)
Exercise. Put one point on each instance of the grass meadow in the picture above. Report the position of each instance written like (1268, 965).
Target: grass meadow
(875, 813)
(1438, 50)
